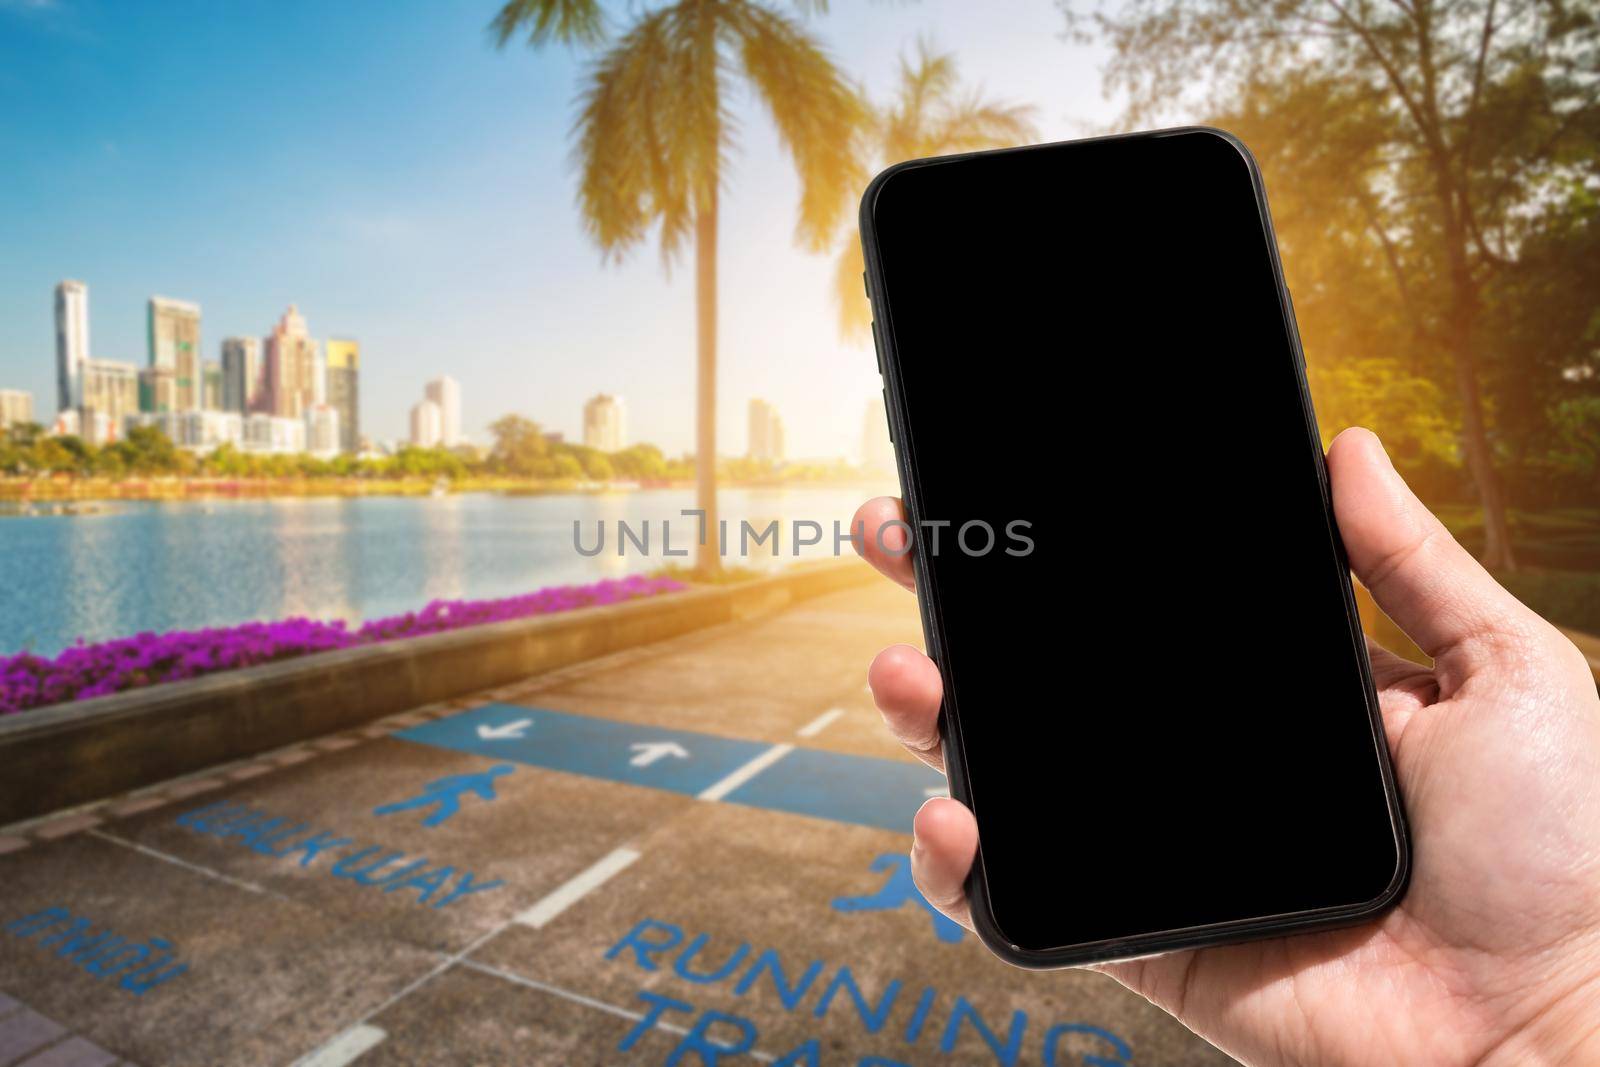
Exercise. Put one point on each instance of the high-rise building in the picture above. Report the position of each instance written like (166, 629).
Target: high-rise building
(205, 431)
(605, 423)
(766, 432)
(268, 433)
(68, 423)
(291, 367)
(426, 424)
(196, 431)
(344, 390)
(877, 454)
(72, 342)
(174, 329)
(111, 394)
(211, 385)
(446, 392)
(158, 390)
(322, 431)
(241, 374)
(16, 406)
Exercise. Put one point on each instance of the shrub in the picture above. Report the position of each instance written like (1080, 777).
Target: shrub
(91, 670)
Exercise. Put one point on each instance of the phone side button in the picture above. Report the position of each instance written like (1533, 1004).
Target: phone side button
(886, 417)
(877, 345)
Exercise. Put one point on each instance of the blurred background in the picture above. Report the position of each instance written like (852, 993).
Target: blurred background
(330, 325)
(332, 311)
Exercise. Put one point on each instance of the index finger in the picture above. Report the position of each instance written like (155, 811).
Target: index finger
(883, 537)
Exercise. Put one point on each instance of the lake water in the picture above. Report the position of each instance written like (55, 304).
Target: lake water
(180, 565)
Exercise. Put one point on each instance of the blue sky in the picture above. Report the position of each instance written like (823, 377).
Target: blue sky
(383, 166)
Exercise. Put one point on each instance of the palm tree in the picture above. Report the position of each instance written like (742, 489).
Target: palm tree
(654, 133)
(931, 115)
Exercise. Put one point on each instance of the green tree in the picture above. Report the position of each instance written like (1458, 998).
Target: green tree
(640, 461)
(566, 467)
(654, 135)
(519, 445)
(1543, 311)
(226, 461)
(24, 434)
(932, 114)
(1466, 116)
(146, 450)
(50, 454)
(80, 453)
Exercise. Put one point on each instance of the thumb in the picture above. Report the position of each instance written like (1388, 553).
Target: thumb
(1416, 571)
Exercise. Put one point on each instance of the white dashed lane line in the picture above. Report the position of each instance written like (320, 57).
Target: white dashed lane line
(739, 777)
(346, 1048)
(821, 722)
(577, 887)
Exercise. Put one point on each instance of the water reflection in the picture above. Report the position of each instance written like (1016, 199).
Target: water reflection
(163, 566)
(442, 549)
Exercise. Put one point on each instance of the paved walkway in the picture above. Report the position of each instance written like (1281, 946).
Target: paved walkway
(691, 853)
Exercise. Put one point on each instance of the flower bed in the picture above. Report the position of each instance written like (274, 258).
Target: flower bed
(85, 670)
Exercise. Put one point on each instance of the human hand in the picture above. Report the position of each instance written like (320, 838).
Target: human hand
(1493, 955)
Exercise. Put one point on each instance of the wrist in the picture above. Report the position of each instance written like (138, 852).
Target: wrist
(1564, 1031)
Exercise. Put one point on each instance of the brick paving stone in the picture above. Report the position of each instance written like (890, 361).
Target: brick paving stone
(334, 744)
(8, 1005)
(24, 1032)
(253, 770)
(73, 1052)
(134, 806)
(70, 825)
(189, 789)
(12, 844)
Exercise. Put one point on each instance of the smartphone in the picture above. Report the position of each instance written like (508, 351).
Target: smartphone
(1157, 699)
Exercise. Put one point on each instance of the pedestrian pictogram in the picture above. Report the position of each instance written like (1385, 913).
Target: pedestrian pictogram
(444, 795)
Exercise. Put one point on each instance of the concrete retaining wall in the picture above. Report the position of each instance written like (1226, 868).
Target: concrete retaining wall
(56, 758)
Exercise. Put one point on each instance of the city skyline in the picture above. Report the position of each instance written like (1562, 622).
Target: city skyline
(448, 238)
(268, 394)
(286, 377)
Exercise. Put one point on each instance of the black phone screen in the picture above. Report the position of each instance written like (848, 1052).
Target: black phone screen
(1161, 708)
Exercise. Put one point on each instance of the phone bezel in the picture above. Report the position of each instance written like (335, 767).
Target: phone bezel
(978, 893)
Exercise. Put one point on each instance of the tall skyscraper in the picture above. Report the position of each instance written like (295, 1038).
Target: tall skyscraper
(605, 423)
(291, 360)
(211, 388)
(158, 390)
(446, 392)
(72, 342)
(344, 390)
(766, 432)
(426, 424)
(110, 395)
(174, 329)
(322, 430)
(16, 406)
(242, 377)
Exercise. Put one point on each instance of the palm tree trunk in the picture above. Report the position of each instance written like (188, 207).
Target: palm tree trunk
(708, 561)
